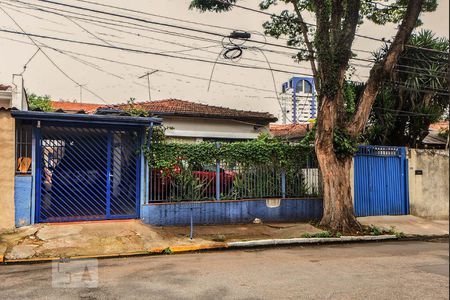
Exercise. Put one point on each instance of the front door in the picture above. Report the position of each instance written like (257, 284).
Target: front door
(87, 174)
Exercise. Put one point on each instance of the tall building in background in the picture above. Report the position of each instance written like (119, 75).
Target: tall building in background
(298, 100)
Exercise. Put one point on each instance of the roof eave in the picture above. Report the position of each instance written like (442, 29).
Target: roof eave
(259, 120)
(85, 118)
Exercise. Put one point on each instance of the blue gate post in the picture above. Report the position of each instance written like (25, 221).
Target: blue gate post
(404, 181)
(283, 183)
(217, 176)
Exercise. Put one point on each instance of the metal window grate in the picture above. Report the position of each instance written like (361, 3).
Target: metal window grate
(23, 149)
(378, 151)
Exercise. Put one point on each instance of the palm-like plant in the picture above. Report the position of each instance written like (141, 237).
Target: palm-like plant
(416, 97)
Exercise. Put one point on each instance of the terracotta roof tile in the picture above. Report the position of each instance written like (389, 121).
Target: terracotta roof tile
(4, 87)
(290, 131)
(194, 109)
(75, 107)
(440, 126)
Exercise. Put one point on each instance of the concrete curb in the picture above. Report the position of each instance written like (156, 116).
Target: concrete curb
(230, 245)
(300, 241)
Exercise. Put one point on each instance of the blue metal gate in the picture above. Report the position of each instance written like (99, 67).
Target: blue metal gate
(87, 174)
(381, 181)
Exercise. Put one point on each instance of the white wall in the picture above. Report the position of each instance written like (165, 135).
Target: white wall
(429, 191)
(195, 129)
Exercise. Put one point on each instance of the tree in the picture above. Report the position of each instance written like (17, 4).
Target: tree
(43, 103)
(329, 50)
(405, 108)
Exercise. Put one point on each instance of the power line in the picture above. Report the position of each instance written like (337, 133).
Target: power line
(314, 25)
(147, 52)
(162, 24)
(405, 112)
(179, 34)
(29, 60)
(48, 57)
(140, 27)
(402, 85)
(171, 25)
(196, 30)
(155, 15)
(147, 68)
(281, 17)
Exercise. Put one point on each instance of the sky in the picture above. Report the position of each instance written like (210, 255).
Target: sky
(111, 82)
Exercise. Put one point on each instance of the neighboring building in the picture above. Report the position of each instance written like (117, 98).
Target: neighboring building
(298, 97)
(11, 97)
(290, 132)
(192, 121)
(75, 107)
(436, 138)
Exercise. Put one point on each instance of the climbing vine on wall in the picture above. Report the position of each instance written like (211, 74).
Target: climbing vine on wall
(163, 154)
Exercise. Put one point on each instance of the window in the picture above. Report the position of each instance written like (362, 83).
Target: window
(308, 87)
(304, 86)
(299, 87)
(23, 148)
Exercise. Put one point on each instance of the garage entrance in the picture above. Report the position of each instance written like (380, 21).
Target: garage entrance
(87, 173)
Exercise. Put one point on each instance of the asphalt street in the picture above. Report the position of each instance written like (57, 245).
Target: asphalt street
(389, 270)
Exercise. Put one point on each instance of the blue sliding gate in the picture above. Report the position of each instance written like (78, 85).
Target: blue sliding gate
(87, 173)
(381, 181)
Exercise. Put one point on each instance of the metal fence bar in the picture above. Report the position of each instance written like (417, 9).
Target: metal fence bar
(225, 180)
(218, 180)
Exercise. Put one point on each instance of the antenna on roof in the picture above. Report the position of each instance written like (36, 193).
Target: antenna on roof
(148, 82)
(81, 92)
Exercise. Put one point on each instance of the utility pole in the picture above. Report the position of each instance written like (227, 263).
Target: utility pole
(148, 82)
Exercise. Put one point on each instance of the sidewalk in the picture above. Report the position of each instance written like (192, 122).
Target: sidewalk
(132, 237)
(409, 225)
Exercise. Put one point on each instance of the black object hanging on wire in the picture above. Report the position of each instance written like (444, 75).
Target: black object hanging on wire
(232, 48)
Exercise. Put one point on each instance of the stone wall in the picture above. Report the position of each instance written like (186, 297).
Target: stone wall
(429, 183)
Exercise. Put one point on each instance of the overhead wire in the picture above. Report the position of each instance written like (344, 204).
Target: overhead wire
(192, 29)
(147, 68)
(164, 24)
(29, 60)
(133, 49)
(145, 52)
(140, 27)
(49, 58)
(291, 54)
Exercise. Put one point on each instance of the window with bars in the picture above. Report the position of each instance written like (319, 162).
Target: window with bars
(23, 149)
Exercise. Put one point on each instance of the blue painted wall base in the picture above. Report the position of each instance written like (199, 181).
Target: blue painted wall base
(22, 200)
(232, 212)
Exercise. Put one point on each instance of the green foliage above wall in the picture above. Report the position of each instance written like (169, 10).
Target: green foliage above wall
(265, 149)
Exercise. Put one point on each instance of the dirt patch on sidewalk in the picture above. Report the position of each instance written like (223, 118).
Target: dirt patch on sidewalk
(229, 233)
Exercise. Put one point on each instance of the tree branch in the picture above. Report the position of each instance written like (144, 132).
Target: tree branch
(348, 30)
(322, 42)
(383, 69)
(308, 43)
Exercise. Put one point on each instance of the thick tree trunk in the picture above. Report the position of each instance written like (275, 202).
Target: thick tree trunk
(338, 213)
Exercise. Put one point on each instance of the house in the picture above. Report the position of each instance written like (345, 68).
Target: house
(73, 166)
(290, 132)
(85, 161)
(436, 138)
(75, 107)
(191, 121)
